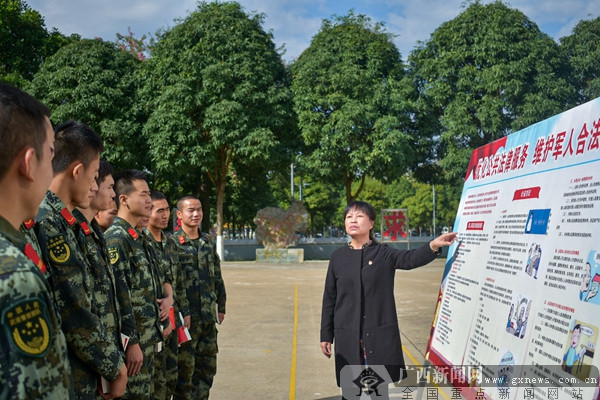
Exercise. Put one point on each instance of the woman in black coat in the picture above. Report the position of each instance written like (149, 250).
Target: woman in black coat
(359, 309)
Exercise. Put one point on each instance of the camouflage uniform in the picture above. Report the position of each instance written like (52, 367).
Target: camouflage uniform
(161, 266)
(166, 249)
(33, 362)
(205, 292)
(92, 350)
(102, 276)
(136, 276)
(29, 232)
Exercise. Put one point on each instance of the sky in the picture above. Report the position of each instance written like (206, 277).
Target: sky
(294, 23)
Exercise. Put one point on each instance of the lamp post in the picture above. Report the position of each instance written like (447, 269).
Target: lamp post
(292, 180)
(433, 190)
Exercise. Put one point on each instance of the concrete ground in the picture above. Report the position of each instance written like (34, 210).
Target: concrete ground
(258, 341)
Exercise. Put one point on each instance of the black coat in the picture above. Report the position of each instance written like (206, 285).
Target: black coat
(373, 268)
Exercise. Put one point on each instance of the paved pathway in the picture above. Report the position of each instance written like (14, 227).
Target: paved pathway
(273, 318)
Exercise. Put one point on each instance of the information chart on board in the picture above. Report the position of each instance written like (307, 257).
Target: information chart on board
(518, 314)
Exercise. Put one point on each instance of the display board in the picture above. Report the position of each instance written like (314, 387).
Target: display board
(518, 313)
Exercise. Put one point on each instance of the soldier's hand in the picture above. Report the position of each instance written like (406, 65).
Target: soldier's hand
(221, 317)
(187, 321)
(134, 359)
(167, 331)
(117, 387)
(165, 305)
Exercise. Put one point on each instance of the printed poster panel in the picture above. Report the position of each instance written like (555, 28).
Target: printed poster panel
(519, 302)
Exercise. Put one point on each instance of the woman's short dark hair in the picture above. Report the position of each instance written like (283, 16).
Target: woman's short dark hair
(364, 207)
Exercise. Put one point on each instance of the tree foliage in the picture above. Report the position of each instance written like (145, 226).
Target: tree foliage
(488, 72)
(351, 117)
(216, 92)
(248, 191)
(420, 205)
(321, 201)
(24, 42)
(583, 51)
(93, 82)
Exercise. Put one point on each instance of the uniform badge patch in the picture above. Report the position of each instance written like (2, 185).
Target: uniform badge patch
(59, 249)
(113, 254)
(28, 324)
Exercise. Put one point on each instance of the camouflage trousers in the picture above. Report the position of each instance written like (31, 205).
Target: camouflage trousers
(159, 375)
(140, 386)
(171, 355)
(197, 362)
(165, 369)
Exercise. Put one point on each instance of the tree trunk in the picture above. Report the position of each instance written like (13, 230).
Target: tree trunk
(220, 200)
(348, 184)
(204, 197)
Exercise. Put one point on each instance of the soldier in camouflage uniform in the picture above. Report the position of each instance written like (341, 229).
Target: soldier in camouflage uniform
(166, 248)
(205, 292)
(96, 252)
(165, 301)
(136, 278)
(33, 349)
(93, 352)
(106, 217)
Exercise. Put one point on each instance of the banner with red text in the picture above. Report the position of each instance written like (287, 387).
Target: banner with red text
(520, 288)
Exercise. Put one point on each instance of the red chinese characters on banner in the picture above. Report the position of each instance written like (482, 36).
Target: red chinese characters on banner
(494, 159)
(560, 145)
(394, 223)
(501, 162)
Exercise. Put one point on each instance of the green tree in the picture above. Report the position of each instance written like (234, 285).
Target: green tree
(248, 191)
(420, 206)
(487, 73)
(321, 201)
(94, 82)
(216, 92)
(583, 51)
(348, 96)
(398, 190)
(24, 41)
(447, 199)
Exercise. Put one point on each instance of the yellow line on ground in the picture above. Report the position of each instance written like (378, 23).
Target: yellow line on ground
(415, 362)
(294, 346)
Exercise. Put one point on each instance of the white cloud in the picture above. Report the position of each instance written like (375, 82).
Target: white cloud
(293, 23)
(418, 21)
(105, 18)
(296, 22)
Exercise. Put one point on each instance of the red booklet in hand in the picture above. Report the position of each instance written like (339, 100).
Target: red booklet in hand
(183, 334)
